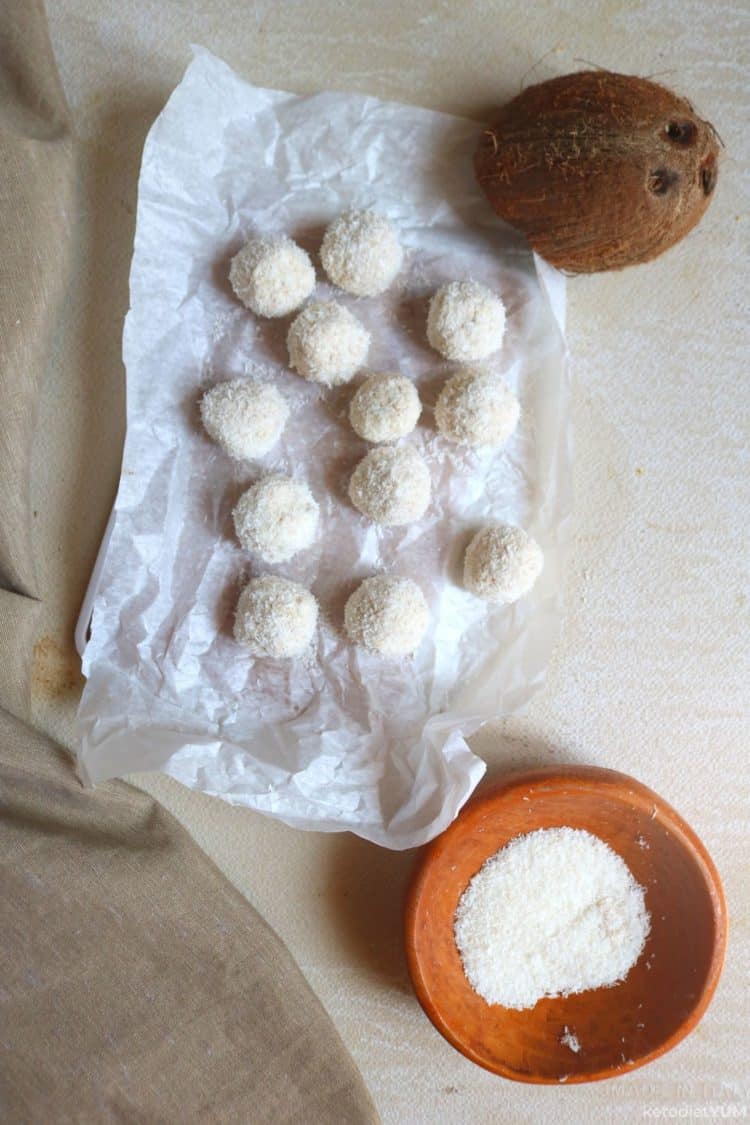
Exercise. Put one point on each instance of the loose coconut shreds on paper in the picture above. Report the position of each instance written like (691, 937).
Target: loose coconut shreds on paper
(361, 253)
(327, 344)
(466, 321)
(387, 615)
(245, 417)
(385, 408)
(554, 912)
(272, 276)
(391, 485)
(276, 518)
(275, 617)
(502, 563)
(476, 408)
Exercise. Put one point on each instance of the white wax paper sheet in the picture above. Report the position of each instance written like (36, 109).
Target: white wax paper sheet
(339, 740)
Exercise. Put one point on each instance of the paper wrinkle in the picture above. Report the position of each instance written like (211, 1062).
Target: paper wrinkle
(340, 739)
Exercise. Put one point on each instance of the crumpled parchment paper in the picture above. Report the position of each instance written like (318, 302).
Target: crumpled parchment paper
(341, 739)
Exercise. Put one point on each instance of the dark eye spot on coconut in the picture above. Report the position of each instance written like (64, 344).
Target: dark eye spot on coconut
(708, 178)
(682, 132)
(660, 181)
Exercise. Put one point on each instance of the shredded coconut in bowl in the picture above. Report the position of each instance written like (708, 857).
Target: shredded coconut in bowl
(387, 615)
(466, 321)
(476, 408)
(361, 253)
(272, 276)
(391, 485)
(275, 617)
(554, 912)
(327, 344)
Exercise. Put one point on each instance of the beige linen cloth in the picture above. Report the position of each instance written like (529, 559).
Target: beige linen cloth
(136, 984)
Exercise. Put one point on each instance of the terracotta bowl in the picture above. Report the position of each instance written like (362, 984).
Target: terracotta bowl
(618, 1028)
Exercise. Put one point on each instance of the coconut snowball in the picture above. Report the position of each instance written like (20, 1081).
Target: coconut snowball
(385, 408)
(272, 276)
(244, 417)
(276, 518)
(275, 617)
(476, 408)
(391, 485)
(466, 321)
(361, 253)
(387, 615)
(327, 344)
(502, 563)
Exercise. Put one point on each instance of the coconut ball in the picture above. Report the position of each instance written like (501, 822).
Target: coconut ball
(385, 408)
(272, 276)
(502, 563)
(276, 518)
(275, 617)
(361, 253)
(466, 321)
(387, 615)
(244, 417)
(476, 408)
(327, 344)
(391, 485)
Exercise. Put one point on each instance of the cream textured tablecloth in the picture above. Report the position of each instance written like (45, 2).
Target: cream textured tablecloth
(652, 672)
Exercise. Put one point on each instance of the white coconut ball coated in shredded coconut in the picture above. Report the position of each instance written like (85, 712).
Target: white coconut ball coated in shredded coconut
(272, 276)
(387, 615)
(276, 518)
(502, 563)
(391, 485)
(275, 617)
(385, 408)
(466, 321)
(327, 344)
(361, 253)
(476, 408)
(246, 418)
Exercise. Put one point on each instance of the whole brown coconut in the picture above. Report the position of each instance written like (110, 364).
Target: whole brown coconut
(599, 170)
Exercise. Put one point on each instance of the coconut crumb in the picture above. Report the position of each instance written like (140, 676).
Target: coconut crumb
(570, 1039)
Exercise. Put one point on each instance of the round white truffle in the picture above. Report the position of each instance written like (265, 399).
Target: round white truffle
(466, 321)
(272, 276)
(361, 253)
(391, 485)
(327, 344)
(502, 563)
(387, 615)
(385, 408)
(475, 407)
(276, 518)
(246, 418)
(275, 617)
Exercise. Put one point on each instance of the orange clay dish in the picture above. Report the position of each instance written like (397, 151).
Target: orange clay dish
(618, 1028)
